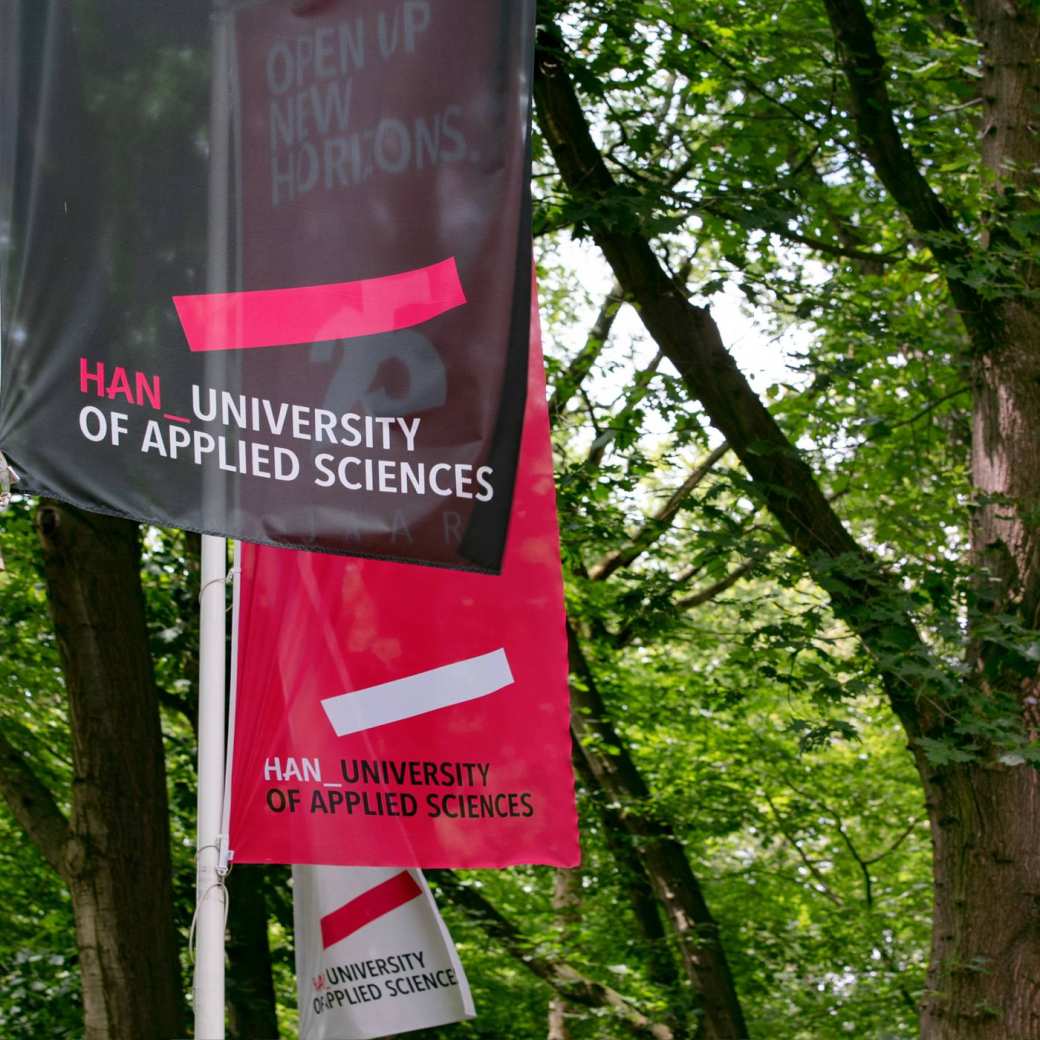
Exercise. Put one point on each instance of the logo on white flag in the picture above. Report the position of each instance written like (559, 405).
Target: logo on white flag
(373, 956)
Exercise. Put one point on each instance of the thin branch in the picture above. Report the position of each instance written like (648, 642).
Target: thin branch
(863, 861)
(640, 389)
(824, 888)
(930, 407)
(848, 234)
(750, 217)
(630, 631)
(842, 252)
(569, 382)
(661, 521)
(713, 591)
(590, 410)
(864, 866)
(752, 85)
(903, 835)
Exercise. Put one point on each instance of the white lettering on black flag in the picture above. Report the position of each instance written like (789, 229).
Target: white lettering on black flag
(373, 956)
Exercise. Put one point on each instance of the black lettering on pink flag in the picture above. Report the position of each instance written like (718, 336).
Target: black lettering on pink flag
(266, 273)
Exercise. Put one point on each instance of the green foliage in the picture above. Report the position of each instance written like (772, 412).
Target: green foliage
(39, 982)
(41, 996)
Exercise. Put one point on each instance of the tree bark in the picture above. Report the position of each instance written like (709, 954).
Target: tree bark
(984, 977)
(116, 860)
(984, 972)
(1005, 463)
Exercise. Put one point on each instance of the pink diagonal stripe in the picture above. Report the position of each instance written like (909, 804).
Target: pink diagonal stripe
(316, 313)
(365, 908)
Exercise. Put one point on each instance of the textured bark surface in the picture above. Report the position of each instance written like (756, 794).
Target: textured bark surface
(984, 973)
(116, 860)
(1006, 435)
(984, 977)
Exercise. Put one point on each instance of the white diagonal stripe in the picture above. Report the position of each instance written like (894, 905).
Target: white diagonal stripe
(418, 694)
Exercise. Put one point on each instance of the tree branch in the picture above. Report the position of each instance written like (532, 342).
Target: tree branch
(570, 381)
(750, 84)
(902, 836)
(567, 981)
(822, 886)
(716, 589)
(34, 807)
(861, 593)
(929, 408)
(638, 392)
(675, 885)
(633, 877)
(867, 76)
(631, 630)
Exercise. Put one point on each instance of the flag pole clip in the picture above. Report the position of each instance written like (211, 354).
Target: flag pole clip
(7, 477)
(224, 856)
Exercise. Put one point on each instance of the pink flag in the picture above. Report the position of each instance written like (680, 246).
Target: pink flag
(390, 714)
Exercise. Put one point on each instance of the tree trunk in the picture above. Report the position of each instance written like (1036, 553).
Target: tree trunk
(1005, 459)
(984, 977)
(984, 974)
(252, 1008)
(117, 858)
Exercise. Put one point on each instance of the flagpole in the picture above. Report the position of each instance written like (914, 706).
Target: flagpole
(210, 894)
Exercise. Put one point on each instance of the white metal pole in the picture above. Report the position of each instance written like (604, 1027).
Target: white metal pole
(210, 896)
(226, 853)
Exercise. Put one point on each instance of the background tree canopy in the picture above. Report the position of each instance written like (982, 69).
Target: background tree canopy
(804, 598)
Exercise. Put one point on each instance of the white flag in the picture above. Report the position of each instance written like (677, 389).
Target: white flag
(373, 957)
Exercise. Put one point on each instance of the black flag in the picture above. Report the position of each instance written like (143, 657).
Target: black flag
(265, 267)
